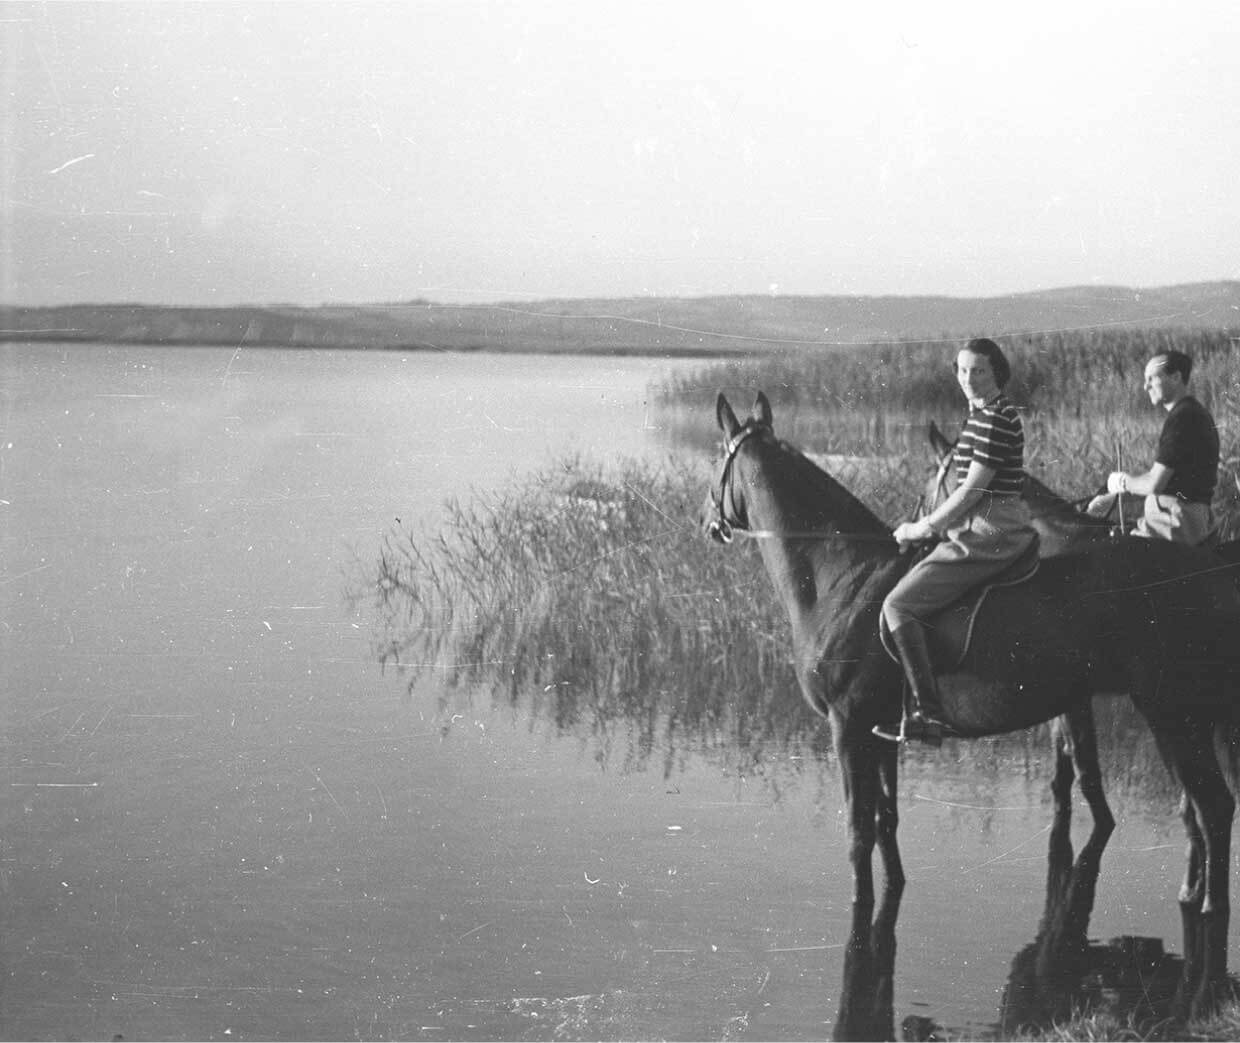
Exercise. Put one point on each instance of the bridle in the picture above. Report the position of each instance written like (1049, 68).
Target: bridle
(726, 523)
(722, 527)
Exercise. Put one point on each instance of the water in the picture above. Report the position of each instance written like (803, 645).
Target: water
(220, 820)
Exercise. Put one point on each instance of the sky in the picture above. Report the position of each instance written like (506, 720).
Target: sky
(227, 153)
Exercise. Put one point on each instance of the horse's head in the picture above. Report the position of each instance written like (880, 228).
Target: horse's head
(941, 483)
(724, 509)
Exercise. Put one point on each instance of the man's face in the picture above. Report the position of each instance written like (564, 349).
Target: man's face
(1160, 383)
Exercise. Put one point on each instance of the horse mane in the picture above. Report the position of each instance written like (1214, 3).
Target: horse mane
(1045, 502)
(849, 514)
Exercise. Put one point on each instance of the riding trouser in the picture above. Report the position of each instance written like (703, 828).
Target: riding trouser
(995, 534)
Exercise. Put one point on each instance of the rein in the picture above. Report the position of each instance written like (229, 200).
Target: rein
(941, 492)
(809, 534)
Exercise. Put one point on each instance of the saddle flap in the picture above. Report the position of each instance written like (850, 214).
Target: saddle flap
(950, 631)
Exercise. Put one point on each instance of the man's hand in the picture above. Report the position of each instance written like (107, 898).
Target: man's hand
(1117, 482)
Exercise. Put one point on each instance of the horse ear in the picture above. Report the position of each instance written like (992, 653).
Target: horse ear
(762, 409)
(939, 440)
(727, 419)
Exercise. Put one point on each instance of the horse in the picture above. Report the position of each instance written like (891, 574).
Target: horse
(1061, 526)
(1144, 618)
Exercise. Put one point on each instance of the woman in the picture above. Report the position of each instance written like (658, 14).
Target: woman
(984, 525)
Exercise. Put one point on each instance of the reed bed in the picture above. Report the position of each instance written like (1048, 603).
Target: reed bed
(1078, 373)
(1081, 393)
(590, 597)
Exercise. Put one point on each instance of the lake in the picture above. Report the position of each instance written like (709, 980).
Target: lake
(220, 819)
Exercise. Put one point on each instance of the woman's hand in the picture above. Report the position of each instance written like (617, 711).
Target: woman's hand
(913, 532)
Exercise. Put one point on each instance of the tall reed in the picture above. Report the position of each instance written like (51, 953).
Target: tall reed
(1075, 373)
(592, 597)
(1080, 392)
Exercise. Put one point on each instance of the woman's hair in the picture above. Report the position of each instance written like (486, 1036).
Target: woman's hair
(998, 360)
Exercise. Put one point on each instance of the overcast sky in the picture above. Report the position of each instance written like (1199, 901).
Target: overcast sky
(227, 153)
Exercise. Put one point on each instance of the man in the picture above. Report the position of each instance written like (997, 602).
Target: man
(1179, 486)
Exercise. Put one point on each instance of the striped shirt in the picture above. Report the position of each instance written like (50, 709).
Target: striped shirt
(993, 436)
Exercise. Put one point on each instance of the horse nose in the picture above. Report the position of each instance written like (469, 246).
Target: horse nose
(719, 531)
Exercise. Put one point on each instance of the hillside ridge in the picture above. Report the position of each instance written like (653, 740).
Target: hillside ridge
(646, 325)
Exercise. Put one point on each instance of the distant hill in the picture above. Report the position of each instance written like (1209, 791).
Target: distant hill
(668, 326)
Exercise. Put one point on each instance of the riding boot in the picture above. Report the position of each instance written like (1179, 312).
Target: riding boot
(923, 718)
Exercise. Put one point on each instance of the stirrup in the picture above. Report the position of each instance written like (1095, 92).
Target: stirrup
(918, 727)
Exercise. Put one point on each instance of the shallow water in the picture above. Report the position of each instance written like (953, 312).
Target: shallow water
(220, 820)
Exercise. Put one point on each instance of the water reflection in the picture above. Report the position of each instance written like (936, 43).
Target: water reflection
(1045, 983)
(1132, 979)
(866, 1009)
(1056, 976)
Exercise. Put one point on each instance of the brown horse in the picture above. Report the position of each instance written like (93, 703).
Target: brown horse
(1149, 619)
(1062, 527)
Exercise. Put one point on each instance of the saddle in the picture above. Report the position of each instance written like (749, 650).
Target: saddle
(950, 632)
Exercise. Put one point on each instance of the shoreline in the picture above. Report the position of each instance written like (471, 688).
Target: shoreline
(710, 327)
(598, 351)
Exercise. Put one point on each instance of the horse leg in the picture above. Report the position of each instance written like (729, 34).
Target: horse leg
(1207, 808)
(1084, 749)
(1192, 890)
(888, 817)
(1061, 782)
(858, 759)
